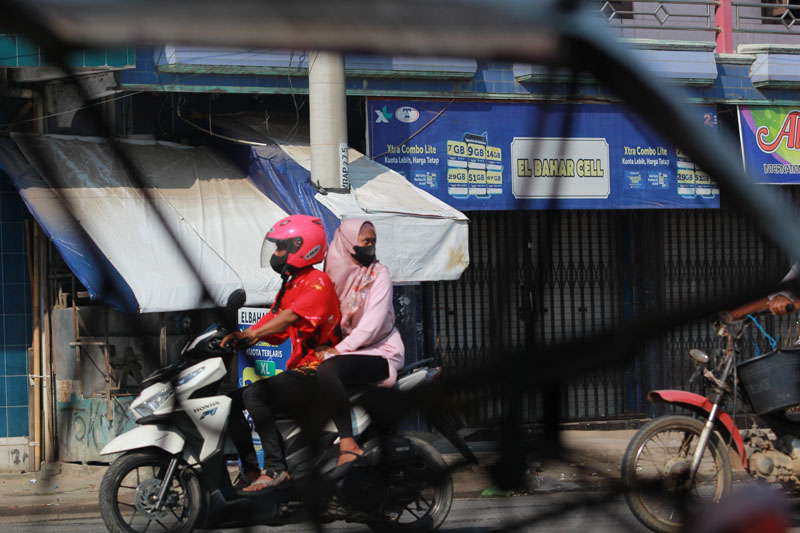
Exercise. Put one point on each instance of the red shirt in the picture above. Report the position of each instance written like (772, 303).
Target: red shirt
(310, 294)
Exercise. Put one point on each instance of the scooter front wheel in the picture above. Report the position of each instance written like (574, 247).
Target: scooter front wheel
(130, 489)
(655, 471)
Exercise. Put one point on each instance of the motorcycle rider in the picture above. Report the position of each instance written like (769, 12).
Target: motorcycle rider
(306, 310)
(777, 303)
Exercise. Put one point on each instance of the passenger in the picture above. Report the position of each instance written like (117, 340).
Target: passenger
(371, 351)
(307, 312)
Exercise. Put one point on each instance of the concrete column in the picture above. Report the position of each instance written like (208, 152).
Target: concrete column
(328, 120)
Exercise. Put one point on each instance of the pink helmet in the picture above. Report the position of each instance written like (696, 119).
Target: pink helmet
(302, 236)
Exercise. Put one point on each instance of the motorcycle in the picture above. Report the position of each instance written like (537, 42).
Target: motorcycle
(173, 473)
(676, 462)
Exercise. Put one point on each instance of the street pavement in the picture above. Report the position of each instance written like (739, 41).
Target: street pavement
(467, 515)
(576, 493)
(64, 489)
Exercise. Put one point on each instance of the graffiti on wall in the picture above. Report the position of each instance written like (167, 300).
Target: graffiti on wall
(84, 427)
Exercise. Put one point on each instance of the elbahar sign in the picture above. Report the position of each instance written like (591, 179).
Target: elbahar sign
(770, 138)
(260, 361)
(508, 155)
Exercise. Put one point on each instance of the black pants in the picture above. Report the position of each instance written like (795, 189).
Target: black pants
(336, 373)
(289, 394)
(240, 433)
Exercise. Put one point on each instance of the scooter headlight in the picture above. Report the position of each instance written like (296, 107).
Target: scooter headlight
(189, 377)
(152, 404)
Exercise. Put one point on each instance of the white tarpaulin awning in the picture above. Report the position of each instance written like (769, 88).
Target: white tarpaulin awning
(218, 217)
(420, 238)
(110, 233)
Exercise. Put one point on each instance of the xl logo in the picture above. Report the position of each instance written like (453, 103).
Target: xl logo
(210, 412)
(383, 116)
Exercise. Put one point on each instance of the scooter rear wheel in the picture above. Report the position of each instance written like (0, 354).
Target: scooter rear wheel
(655, 471)
(130, 488)
(433, 488)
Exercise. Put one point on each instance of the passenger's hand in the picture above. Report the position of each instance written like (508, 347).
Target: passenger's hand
(777, 306)
(325, 351)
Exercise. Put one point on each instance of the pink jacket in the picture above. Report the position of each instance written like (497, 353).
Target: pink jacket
(371, 329)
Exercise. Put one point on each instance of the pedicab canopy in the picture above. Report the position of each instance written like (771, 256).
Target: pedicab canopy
(198, 215)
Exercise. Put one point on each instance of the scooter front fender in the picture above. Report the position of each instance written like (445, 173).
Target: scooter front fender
(702, 406)
(147, 436)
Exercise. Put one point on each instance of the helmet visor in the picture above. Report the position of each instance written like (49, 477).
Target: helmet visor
(270, 246)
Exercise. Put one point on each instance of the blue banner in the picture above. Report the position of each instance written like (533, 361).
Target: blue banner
(507, 155)
(770, 138)
(260, 361)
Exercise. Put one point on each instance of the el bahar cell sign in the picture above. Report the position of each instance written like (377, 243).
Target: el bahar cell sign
(507, 155)
(770, 138)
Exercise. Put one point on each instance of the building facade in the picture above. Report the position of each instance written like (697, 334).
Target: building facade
(640, 230)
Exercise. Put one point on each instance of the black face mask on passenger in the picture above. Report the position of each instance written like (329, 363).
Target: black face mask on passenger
(364, 254)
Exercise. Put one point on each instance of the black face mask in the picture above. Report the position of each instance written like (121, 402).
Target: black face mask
(364, 254)
(278, 263)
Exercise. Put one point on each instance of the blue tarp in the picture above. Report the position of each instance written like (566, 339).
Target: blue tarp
(288, 184)
(282, 179)
(89, 265)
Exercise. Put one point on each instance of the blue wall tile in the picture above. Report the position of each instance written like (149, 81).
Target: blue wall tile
(17, 421)
(17, 390)
(16, 360)
(10, 207)
(16, 330)
(13, 235)
(15, 316)
(15, 298)
(15, 268)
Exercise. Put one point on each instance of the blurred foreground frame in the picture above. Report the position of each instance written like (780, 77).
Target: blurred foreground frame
(553, 33)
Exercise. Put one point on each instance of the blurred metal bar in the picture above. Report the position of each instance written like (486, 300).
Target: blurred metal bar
(463, 28)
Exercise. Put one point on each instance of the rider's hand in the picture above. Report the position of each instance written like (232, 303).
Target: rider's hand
(230, 337)
(777, 306)
(234, 338)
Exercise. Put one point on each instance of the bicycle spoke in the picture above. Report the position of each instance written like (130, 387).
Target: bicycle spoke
(133, 515)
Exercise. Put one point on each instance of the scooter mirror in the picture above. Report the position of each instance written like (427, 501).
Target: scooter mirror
(236, 300)
(699, 356)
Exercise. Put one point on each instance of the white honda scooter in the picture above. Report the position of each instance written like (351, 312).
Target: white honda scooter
(172, 473)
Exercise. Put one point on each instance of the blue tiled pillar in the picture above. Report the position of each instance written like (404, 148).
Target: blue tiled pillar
(15, 314)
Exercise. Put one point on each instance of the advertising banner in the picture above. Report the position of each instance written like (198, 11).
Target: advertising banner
(262, 360)
(508, 155)
(770, 138)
